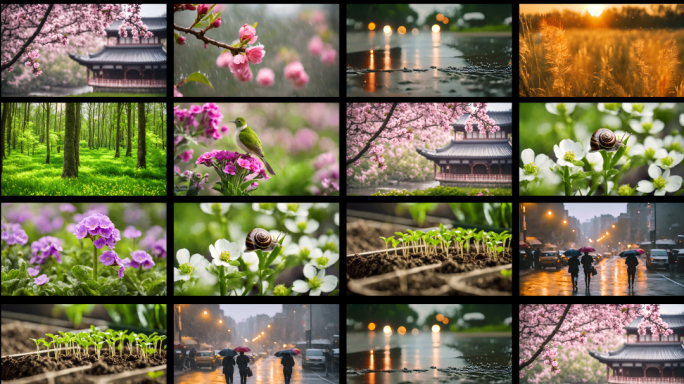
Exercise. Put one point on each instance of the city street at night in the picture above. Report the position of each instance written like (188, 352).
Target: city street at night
(611, 241)
(611, 280)
(266, 370)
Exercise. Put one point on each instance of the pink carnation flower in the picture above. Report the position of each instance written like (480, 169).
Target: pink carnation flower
(265, 77)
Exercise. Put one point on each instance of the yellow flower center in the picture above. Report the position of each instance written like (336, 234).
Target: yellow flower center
(659, 183)
(314, 283)
(569, 156)
(186, 269)
(224, 256)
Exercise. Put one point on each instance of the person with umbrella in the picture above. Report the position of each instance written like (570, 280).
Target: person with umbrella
(632, 261)
(537, 254)
(672, 261)
(228, 364)
(573, 265)
(586, 261)
(242, 363)
(287, 362)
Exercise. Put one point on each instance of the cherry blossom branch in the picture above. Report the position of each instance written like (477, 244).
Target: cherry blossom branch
(368, 144)
(200, 35)
(548, 339)
(28, 42)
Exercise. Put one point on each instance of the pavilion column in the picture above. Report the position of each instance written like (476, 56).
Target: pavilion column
(607, 372)
(434, 176)
(471, 168)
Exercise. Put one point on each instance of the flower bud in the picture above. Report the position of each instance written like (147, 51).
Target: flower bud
(203, 9)
(216, 23)
(180, 40)
(189, 7)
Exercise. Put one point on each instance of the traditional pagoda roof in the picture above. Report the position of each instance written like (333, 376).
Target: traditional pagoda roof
(643, 352)
(470, 149)
(154, 25)
(124, 54)
(504, 119)
(674, 322)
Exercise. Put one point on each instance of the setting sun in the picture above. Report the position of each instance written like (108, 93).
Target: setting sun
(595, 9)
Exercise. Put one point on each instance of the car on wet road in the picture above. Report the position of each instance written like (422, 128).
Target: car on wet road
(550, 259)
(206, 359)
(313, 358)
(657, 258)
(563, 258)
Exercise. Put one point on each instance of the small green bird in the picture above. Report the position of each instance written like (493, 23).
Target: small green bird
(249, 141)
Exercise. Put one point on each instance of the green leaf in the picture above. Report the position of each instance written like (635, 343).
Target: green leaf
(613, 172)
(200, 78)
(255, 24)
(82, 272)
(175, 36)
(507, 272)
(209, 11)
(155, 374)
(333, 293)
(266, 272)
(202, 24)
(234, 263)
(92, 284)
(201, 144)
(12, 275)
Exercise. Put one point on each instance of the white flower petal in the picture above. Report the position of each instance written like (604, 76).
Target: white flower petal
(291, 226)
(196, 259)
(527, 156)
(557, 151)
(645, 186)
(660, 192)
(329, 283)
(654, 172)
(657, 127)
(311, 226)
(673, 184)
(315, 292)
(309, 271)
(213, 251)
(176, 274)
(183, 255)
(540, 159)
(300, 286)
(206, 208)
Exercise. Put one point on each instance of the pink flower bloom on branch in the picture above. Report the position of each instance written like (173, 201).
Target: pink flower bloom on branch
(265, 77)
(180, 40)
(244, 76)
(248, 33)
(186, 155)
(295, 72)
(328, 56)
(202, 9)
(315, 45)
(255, 54)
(176, 93)
(239, 65)
(224, 59)
(216, 24)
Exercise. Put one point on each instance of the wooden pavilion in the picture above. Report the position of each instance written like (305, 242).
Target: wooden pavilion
(124, 65)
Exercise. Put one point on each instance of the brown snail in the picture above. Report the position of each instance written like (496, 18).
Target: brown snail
(605, 139)
(261, 239)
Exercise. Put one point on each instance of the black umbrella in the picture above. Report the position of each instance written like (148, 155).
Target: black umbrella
(284, 352)
(631, 252)
(227, 352)
(572, 252)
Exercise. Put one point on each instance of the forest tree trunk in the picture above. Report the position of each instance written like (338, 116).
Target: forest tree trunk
(141, 136)
(5, 112)
(77, 137)
(69, 166)
(47, 134)
(128, 148)
(13, 107)
(118, 121)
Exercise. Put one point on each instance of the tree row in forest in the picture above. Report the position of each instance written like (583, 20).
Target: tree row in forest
(23, 128)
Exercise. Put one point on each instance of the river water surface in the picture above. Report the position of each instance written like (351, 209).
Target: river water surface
(480, 52)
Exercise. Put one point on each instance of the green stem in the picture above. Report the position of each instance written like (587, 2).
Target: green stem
(94, 261)
(605, 184)
(222, 281)
(566, 179)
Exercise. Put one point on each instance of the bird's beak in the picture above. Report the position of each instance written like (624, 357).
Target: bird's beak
(232, 121)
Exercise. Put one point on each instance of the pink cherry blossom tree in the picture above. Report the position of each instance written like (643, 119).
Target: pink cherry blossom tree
(28, 29)
(372, 125)
(543, 328)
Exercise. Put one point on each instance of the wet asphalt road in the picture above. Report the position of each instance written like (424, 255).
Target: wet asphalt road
(266, 371)
(611, 280)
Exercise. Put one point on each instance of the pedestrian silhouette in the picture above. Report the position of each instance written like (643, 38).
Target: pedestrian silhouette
(242, 362)
(586, 261)
(632, 262)
(537, 253)
(573, 269)
(228, 368)
(672, 261)
(193, 353)
(288, 362)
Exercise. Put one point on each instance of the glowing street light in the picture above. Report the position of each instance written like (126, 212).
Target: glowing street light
(435, 328)
(387, 330)
(549, 213)
(371, 326)
(371, 26)
(220, 321)
(435, 28)
(205, 312)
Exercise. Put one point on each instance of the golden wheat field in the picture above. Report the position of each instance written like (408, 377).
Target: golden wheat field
(599, 62)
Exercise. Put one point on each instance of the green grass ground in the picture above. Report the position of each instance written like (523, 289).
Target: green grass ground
(118, 94)
(99, 174)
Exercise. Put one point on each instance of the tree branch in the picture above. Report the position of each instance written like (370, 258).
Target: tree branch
(548, 339)
(200, 35)
(29, 41)
(382, 128)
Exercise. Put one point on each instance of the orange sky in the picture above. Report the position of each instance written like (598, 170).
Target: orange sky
(544, 8)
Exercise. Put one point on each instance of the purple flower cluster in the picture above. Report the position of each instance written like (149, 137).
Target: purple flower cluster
(100, 229)
(109, 258)
(131, 232)
(231, 163)
(12, 234)
(139, 258)
(45, 247)
(207, 117)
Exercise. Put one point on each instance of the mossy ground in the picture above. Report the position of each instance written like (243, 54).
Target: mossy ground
(99, 174)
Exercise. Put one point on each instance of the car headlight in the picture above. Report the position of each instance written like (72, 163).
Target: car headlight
(307, 358)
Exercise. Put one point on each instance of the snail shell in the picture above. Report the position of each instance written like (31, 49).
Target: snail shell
(259, 239)
(605, 139)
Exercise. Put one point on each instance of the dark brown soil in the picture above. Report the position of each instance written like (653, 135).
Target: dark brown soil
(80, 378)
(418, 284)
(496, 282)
(362, 237)
(365, 266)
(15, 338)
(33, 364)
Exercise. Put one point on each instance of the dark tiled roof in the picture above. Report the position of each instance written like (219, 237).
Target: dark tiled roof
(154, 24)
(502, 118)
(657, 352)
(124, 54)
(473, 149)
(673, 321)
